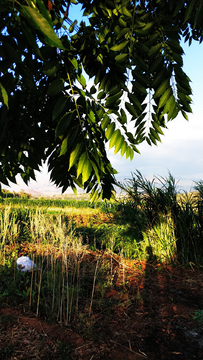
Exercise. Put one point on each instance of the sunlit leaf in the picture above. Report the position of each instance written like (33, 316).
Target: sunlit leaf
(120, 46)
(81, 80)
(74, 155)
(87, 169)
(4, 95)
(123, 148)
(110, 130)
(42, 25)
(114, 138)
(105, 122)
(119, 144)
(82, 160)
(121, 58)
(162, 88)
(165, 97)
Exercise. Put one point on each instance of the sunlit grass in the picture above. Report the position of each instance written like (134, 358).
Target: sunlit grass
(75, 247)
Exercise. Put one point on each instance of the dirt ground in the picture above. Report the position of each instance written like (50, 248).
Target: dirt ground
(154, 321)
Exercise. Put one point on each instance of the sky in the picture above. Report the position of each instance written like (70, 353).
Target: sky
(180, 151)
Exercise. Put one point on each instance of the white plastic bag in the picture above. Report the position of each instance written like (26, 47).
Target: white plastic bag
(24, 263)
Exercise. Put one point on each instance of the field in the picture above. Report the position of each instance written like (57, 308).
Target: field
(113, 280)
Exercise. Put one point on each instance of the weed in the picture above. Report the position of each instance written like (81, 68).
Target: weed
(198, 315)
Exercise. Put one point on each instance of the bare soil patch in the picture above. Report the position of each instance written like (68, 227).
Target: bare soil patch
(153, 319)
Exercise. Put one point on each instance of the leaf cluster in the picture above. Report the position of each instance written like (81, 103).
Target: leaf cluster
(131, 51)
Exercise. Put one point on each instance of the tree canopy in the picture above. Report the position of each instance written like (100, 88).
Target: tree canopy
(131, 50)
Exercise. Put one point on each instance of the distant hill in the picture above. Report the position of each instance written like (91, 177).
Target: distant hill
(33, 192)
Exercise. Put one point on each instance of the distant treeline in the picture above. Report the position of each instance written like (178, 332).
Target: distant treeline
(7, 194)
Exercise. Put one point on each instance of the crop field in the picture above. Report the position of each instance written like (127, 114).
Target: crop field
(130, 268)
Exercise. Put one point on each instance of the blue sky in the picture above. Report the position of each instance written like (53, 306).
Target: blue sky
(181, 149)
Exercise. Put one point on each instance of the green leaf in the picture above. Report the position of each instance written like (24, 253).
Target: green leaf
(74, 155)
(105, 122)
(129, 153)
(121, 58)
(81, 80)
(93, 90)
(157, 128)
(122, 32)
(87, 169)
(123, 118)
(50, 68)
(185, 101)
(135, 101)
(74, 63)
(173, 112)
(162, 88)
(131, 109)
(161, 76)
(112, 99)
(169, 105)
(141, 89)
(110, 130)
(41, 24)
(157, 64)
(120, 47)
(155, 134)
(96, 172)
(94, 196)
(154, 50)
(165, 97)
(145, 30)
(101, 95)
(4, 95)
(123, 148)
(64, 146)
(82, 160)
(91, 116)
(178, 58)
(119, 144)
(126, 12)
(64, 123)
(44, 11)
(59, 107)
(142, 78)
(114, 138)
(185, 115)
(55, 87)
(153, 139)
(122, 22)
(189, 9)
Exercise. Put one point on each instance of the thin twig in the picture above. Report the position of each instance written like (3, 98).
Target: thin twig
(125, 347)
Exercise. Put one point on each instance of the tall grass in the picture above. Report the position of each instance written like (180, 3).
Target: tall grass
(9, 231)
(54, 286)
(160, 241)
(159, 197)
(153, 222)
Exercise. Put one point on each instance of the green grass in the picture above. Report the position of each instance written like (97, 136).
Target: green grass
(161, 226)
